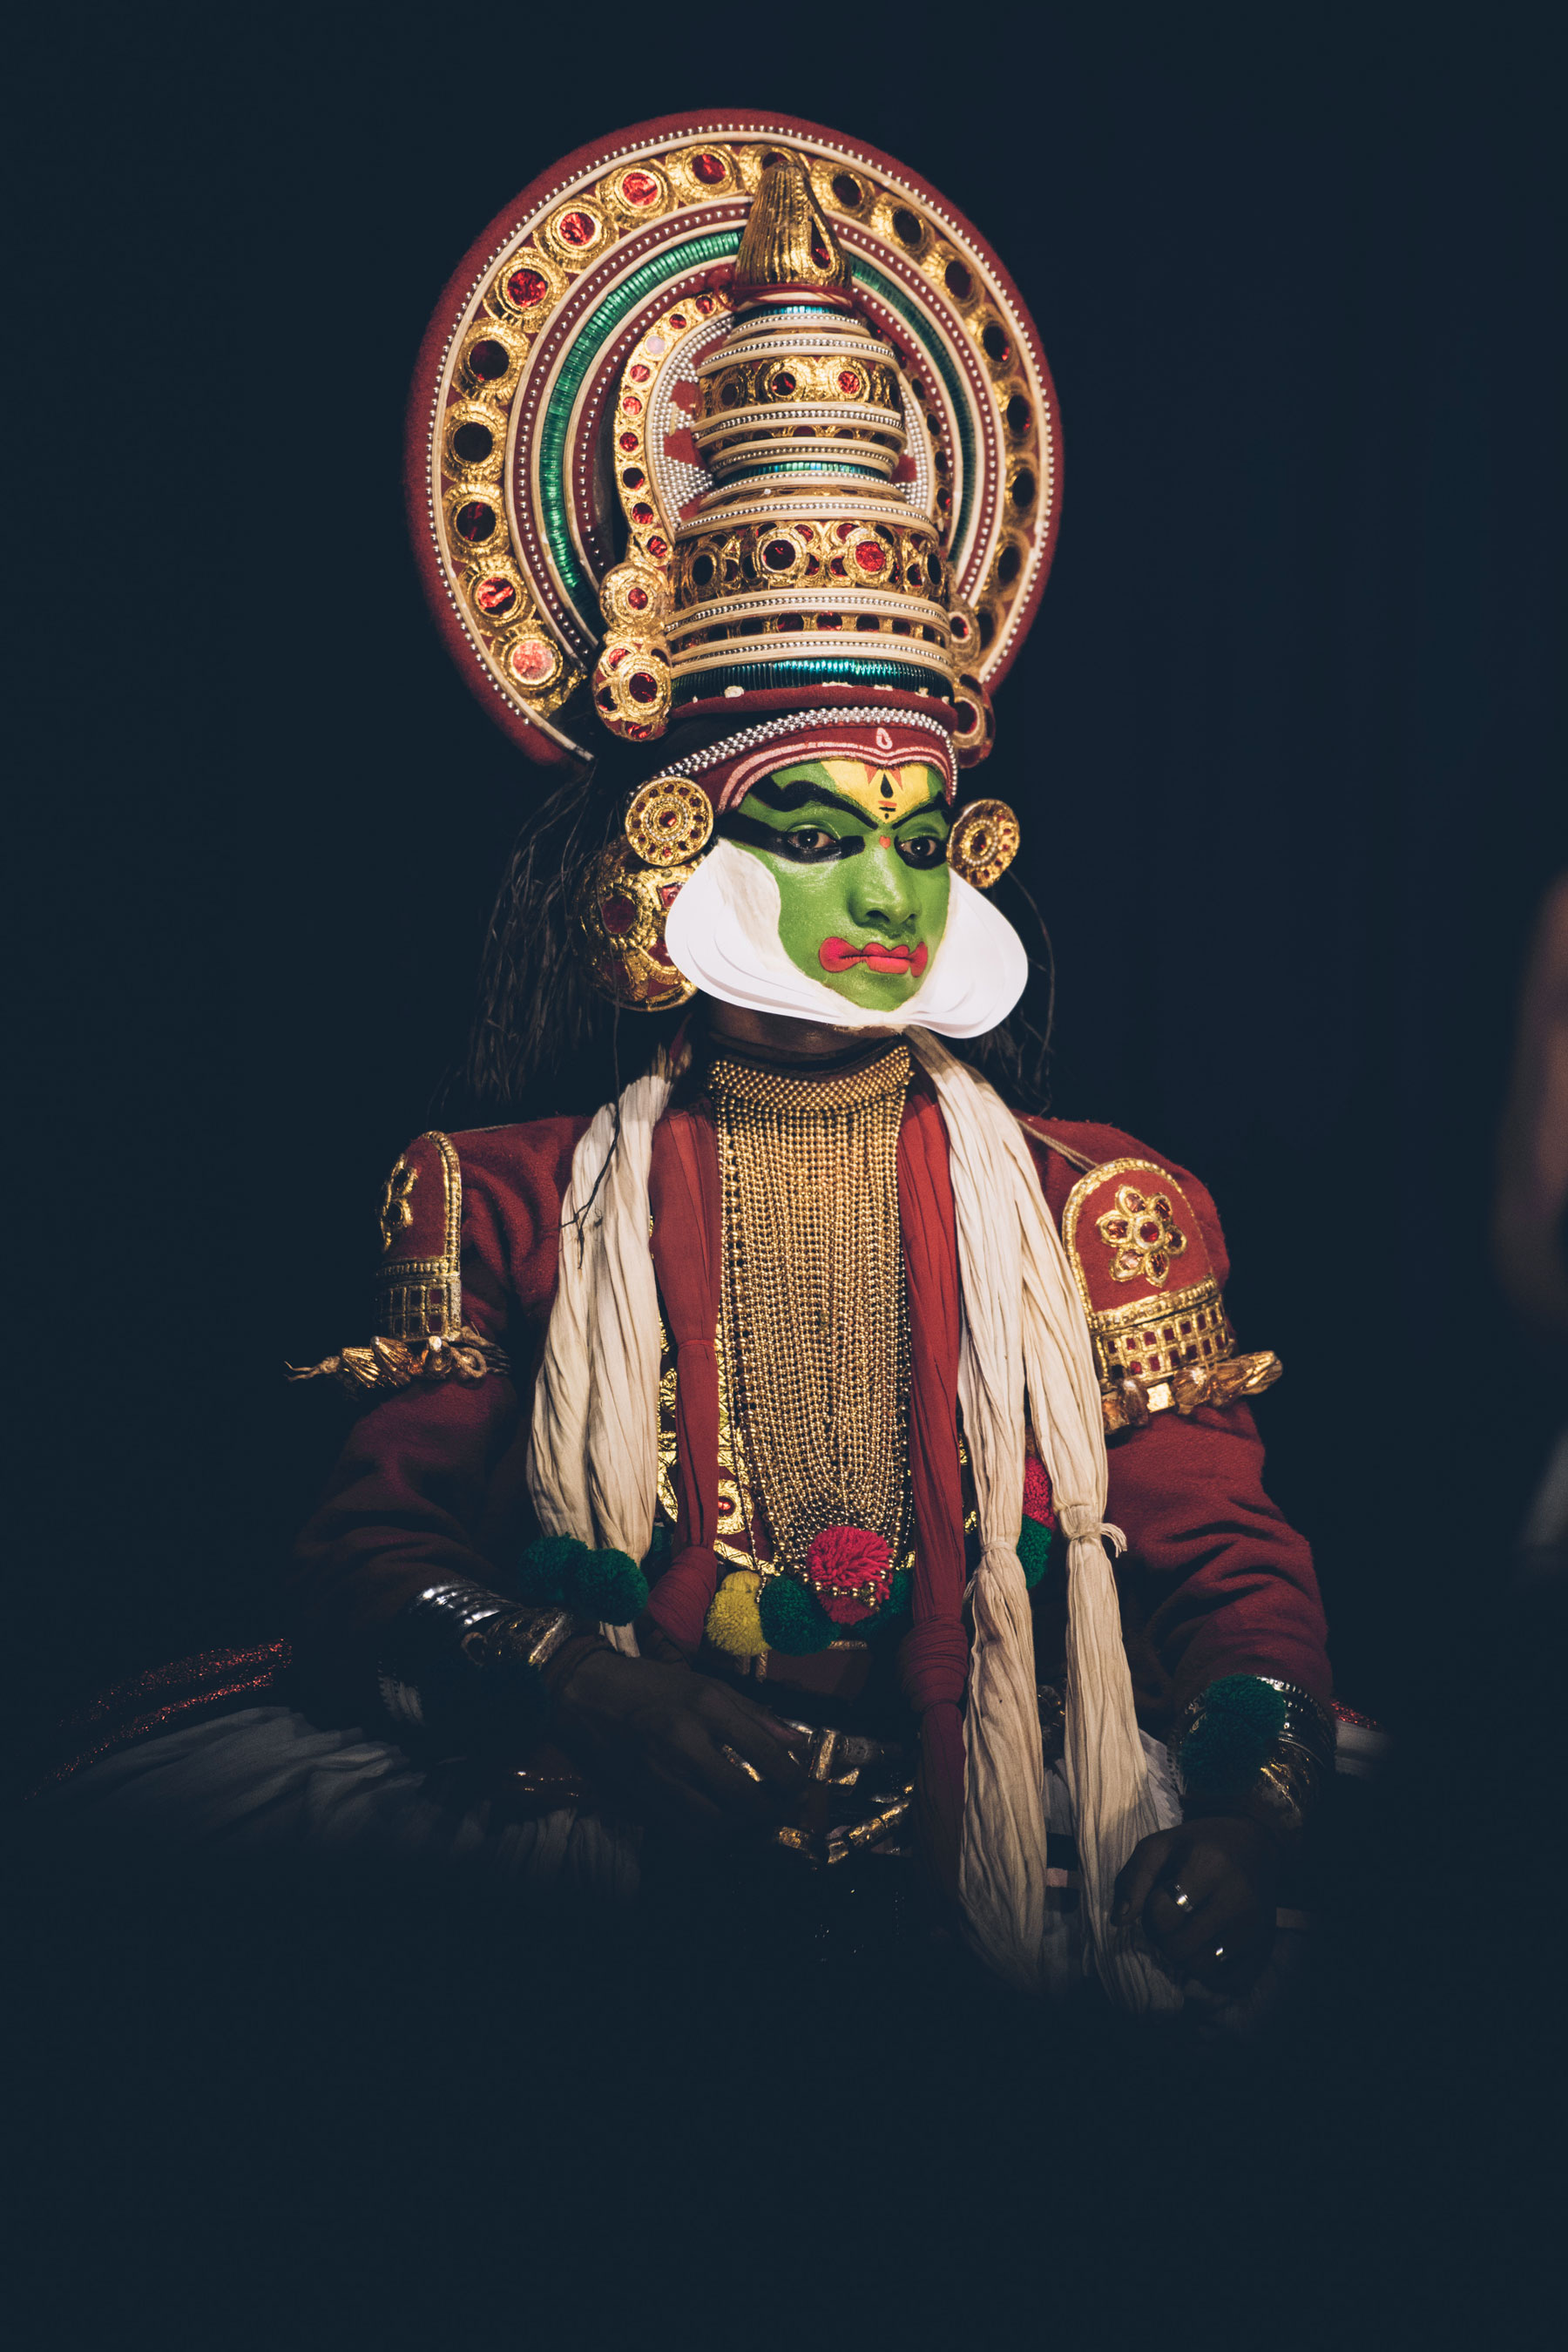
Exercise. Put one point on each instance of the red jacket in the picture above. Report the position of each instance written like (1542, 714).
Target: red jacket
(431, 1482)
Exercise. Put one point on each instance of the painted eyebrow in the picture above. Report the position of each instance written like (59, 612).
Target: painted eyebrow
(789, 798)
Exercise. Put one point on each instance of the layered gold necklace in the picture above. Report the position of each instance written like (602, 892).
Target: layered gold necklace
(813, 1321)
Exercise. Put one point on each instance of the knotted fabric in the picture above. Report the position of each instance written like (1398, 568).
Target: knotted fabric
(1026, 1347)
(592, 1466)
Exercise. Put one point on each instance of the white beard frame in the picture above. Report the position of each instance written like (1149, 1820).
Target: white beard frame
(723, 934)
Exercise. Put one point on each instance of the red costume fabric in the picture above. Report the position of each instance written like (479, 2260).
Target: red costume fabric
(431, 1483)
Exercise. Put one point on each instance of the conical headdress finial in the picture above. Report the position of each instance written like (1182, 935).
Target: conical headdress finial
(788, 241)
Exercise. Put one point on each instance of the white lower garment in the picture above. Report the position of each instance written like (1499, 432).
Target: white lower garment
(268, 1781)
(265, 1780)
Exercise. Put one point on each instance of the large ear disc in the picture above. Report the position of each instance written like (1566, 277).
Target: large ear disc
(984, 843)
(620, 910)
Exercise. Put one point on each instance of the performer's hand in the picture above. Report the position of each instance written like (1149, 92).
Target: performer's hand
(660, 1732)
(1204, 1893)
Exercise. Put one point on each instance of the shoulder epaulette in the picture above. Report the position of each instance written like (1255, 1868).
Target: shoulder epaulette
(1162, 1340)
(420, 1333)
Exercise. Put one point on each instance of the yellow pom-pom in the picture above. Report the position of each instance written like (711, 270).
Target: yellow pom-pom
(734, 1622)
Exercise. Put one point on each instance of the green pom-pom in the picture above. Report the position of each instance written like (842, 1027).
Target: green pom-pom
(1242, 1717)
(1035, 1543)
(608, 1585)
(897, 1598)
(548, 1566)
(793, 1620)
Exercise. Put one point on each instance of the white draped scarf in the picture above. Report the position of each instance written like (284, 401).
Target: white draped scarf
(1025, 1360)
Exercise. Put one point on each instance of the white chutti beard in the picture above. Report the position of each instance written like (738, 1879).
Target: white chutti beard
(723, 933)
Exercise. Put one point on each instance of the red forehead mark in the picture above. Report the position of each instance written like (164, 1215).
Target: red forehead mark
(886, 841)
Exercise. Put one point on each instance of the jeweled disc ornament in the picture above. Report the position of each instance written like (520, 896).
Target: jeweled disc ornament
(984, 843)
(722, 407)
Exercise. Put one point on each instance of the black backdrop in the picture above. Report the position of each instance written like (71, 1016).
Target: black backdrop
(1283, 734)
(1286, 737)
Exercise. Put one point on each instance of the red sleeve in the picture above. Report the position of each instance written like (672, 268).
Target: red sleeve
(1216, 1581)
(431, 1481)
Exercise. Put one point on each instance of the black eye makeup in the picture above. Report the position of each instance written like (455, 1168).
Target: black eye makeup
(806, 844)
(924, 851)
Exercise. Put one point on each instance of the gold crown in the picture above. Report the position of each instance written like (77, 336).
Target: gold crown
(805, 561)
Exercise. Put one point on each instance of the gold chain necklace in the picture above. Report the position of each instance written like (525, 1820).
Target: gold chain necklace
(814, 1316)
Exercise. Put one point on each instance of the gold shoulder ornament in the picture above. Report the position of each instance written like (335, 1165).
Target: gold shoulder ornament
(420, 1333)
(1162, 1340)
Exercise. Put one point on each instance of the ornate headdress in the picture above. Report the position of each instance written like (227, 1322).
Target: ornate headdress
(730, 436)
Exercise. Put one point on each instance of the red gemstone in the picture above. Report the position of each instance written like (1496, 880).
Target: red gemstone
(710, 169)
(618, 914)
(629, 440)
(678, 318)
(640, 188)
(475, 521)
(849, 382)
(631, 405)
(636, 598)
(643, 687)
(633, 477)
(642, 512)
(778, 554)
(527, 286)
(638, 373)
(704, 304)
(489, 359)
(870, 557)
(660, 548)
(577, 228)
(783, 385)
(495, 596)
(533, 661)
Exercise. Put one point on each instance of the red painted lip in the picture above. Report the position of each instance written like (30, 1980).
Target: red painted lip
(837, 955)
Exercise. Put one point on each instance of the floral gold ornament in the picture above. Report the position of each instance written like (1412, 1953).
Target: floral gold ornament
(984, 843)
(1141, 1235)
(669, 822)
(620, 914)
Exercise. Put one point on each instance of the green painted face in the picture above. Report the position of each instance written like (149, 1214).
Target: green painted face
(859, 854)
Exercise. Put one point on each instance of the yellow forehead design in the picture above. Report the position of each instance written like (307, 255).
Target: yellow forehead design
(889, 793)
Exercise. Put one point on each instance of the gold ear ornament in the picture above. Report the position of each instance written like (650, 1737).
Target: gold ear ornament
(984, 843)
(669, 821)
(620, 913)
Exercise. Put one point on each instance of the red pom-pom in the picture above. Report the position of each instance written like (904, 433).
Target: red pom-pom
(1038, 1503)
(848, 1560)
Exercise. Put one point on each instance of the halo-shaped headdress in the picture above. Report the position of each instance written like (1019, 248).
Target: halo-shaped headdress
(727, 416)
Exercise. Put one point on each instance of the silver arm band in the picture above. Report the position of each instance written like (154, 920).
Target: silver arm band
(430, 1629)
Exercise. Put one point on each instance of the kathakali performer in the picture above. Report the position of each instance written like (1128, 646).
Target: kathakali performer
(813, 1449)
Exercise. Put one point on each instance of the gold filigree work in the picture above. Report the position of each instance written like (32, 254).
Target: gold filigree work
(396, 1211)
(669, 821)
(815, 1312)
(1142, 1236)
(984, 843)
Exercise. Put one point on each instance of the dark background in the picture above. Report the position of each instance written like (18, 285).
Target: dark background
(1286, 742)
(1286, 736)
